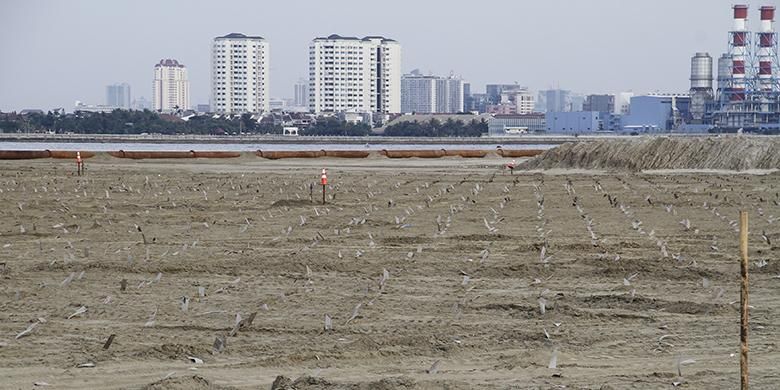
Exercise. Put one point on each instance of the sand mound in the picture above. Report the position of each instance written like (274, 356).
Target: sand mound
(312, 383)
(194, 382)
(726, 153)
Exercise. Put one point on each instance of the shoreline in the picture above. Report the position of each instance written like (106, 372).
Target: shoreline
(279, 139)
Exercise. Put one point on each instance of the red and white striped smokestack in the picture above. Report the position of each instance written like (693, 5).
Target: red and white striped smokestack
(740, 17)
(766, 51)
(739, 43)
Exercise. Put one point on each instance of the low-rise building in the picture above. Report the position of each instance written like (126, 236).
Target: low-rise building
(505, 125)
(575, 122)
(657, 113)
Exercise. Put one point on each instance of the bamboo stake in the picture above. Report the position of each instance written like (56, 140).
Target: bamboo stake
(743, 331)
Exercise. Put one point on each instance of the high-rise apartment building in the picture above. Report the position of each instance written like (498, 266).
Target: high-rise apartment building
(118, 95)
(449, 95)
(431, 94)
(239, 74)
(171, 88)
(348, 73)
(301, 93)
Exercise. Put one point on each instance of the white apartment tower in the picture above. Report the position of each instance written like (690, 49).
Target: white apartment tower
(431, 94)
(239, 74)
(171, 87)
(353, 74)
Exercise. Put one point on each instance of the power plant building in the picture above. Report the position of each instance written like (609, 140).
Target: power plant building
(748, 91)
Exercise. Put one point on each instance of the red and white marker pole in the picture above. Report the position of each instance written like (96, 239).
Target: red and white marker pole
(79, 163)
(324, 182)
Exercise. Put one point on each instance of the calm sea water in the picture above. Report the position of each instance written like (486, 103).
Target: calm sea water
(205, 147)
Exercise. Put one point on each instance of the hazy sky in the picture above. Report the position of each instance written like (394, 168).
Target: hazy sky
(53, 53)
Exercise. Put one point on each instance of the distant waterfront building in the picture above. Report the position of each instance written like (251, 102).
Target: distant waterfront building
(348, 73)
(510, 100)
(504, 125)
(203, 107)
(80, 106)
(141, 104)
(557, 100)
(577, 101)
(467, 103)
(657, 113)
(601, 103)
(478, 102)
(431, 94)
(118, 95)
(277, 104)
(171, 86)
(575, 122)
(239, 74)
(524, 102)
(495, 92)
(301, 93)
(623, 102)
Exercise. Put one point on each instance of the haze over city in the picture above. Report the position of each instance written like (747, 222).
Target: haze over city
(58, 52)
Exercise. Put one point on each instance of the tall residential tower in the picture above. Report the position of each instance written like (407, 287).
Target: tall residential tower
(239, 74)
(425, 94)
(118, 96)
(171, 87)
(353, 74)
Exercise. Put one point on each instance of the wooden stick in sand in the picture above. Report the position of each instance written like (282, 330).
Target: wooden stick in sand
(743, 331)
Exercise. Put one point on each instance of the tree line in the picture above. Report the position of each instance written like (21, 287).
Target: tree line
(138, 122)
(437, 128)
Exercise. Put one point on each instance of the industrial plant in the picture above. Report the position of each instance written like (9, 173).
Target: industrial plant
(748, 88)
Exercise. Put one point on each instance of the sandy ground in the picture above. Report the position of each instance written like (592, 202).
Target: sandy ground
(434, 273)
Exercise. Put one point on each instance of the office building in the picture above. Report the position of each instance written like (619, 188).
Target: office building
(239, 74)
(509, 99)
(118, 95)
(495, 92)
(171, 88)
(348, 73)
(557, 100)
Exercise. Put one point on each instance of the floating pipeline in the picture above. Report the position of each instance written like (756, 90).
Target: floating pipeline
(151, 155)
(466, 153)
(271, 155)
(23, 154)
(346, 153)
(216, 154)
(412, 153)
(67, 154)
(275, 155)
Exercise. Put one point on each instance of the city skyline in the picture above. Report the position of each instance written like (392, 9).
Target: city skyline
(629, 50)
